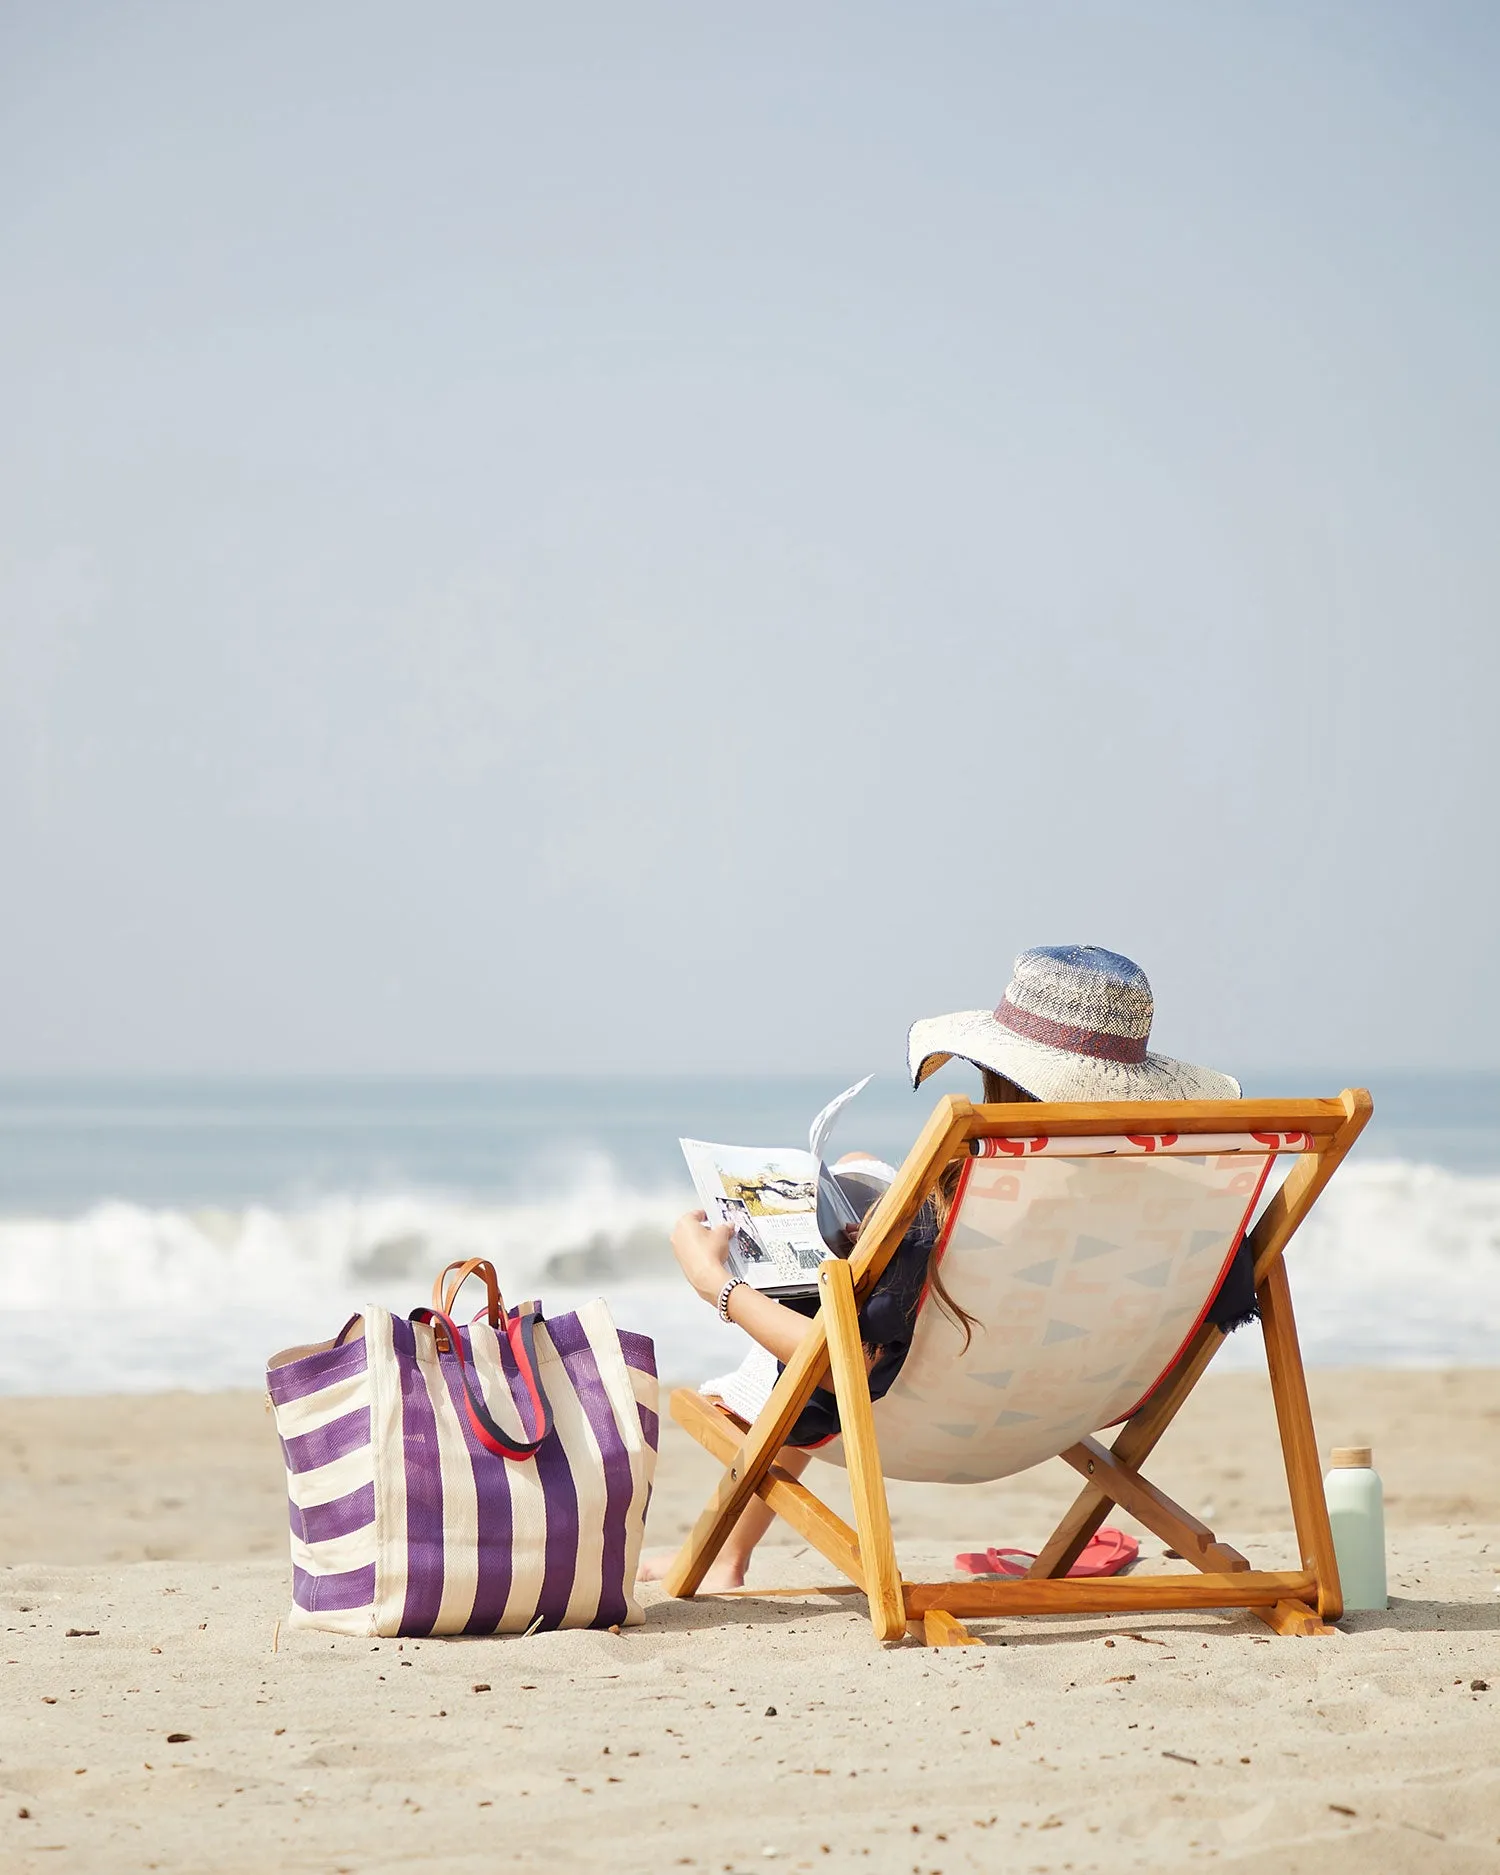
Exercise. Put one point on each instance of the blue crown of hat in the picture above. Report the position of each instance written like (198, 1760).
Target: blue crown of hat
(1081, 998)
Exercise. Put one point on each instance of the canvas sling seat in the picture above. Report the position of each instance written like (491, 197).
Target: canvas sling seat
(1086, 1241)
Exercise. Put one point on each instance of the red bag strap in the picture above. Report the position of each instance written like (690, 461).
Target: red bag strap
(519, 1328)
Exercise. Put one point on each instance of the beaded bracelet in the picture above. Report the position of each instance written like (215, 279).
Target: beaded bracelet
(735, 1282)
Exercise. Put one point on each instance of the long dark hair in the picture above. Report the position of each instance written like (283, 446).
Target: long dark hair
(998, 1091)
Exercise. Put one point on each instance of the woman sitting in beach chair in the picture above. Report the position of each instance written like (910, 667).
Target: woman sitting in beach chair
(1073, 1025)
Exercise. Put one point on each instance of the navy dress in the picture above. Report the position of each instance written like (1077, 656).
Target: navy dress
(885, 1326)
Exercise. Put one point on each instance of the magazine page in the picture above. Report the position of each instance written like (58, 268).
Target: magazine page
(821, 1130)
(769, 1198)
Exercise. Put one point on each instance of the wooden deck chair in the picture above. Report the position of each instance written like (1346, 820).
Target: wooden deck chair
(1088, 1241)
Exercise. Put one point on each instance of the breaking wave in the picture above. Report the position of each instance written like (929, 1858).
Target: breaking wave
(1398, 1266)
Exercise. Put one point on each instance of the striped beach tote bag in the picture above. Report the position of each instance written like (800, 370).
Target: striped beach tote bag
(487, 1478)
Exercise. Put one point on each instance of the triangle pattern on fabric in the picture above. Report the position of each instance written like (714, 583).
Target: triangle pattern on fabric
(1202, 1240)
(1153, 1277)
(1086, 1247)
(967, 1235)
(956, 1432)
(1062, 1331)
(1103, 1379)
(1014, 1419)
(994, 1380)
(1039, 1273)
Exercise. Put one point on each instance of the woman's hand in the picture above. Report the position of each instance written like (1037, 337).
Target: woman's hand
(701, 1252)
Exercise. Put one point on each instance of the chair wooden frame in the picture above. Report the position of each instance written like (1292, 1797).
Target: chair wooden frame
(1301, 1601)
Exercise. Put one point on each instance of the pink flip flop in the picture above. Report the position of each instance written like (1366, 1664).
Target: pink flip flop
(1105, 1554)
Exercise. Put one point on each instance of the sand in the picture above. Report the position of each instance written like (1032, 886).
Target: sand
(740, 1735)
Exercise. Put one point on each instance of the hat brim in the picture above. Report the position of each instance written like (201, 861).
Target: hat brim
(1055, 1073)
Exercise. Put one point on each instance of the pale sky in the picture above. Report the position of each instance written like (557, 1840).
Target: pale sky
(677, 537)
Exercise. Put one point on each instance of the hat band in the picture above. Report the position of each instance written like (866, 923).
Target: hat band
(1096, 1042)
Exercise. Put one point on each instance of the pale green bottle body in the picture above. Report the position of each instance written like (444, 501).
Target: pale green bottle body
(1356, 1509)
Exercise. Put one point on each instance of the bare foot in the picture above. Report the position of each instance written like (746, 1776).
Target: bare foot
(725, 1573)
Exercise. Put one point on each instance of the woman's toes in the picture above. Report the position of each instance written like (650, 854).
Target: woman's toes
(723, 1574)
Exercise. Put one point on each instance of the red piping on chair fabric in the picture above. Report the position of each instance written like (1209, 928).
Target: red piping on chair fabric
(1239, 1238)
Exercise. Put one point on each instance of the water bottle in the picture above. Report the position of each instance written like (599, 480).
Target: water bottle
(1356, 1509)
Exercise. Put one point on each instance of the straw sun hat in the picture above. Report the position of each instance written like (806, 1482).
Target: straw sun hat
(1073, 1024)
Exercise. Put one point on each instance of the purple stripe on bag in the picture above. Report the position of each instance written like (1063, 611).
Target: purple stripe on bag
(640, 1355)
(639, 1352)
(306, 1451)
(317, 1523)
(560, 1506)
(296, 1379)
(422, 1464)
(572, 1343)
(491, 1501)
(355, 1588)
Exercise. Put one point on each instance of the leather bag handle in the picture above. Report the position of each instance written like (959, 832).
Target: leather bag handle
(445, 1293)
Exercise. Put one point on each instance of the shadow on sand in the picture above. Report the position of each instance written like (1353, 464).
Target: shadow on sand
(1405, 1615)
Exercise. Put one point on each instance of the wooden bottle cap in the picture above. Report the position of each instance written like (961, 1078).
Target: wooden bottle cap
(1350, 1458)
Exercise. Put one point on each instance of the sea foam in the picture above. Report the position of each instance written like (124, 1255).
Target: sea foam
(1399, 1265)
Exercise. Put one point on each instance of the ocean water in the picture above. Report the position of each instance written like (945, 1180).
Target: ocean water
(162, 1233)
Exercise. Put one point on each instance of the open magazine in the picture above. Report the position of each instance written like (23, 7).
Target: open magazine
(786, 1210)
